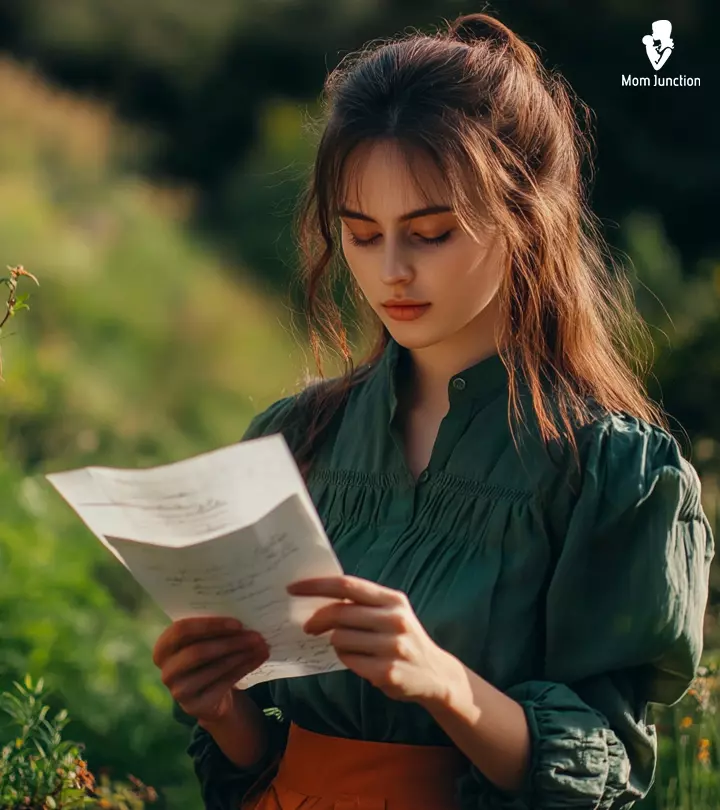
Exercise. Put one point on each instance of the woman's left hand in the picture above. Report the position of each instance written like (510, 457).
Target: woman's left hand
(378, 636)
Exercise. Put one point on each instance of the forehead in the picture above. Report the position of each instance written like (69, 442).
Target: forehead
(386, 176)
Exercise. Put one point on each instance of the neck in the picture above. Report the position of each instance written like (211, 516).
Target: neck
(431, 367)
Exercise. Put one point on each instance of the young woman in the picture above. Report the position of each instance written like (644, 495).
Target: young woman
(525, 552)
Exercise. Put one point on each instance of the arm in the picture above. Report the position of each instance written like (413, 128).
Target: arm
(624, 616)
(490, 728)
(225, 768)
(651, 51)
(243, 734)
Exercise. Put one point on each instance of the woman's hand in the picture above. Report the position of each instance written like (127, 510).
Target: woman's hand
(201, 658)
(378, 636)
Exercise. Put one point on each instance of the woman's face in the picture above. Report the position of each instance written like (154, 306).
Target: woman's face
(428, 258)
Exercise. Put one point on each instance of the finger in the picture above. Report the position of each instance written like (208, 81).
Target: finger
(202, 691)
(198, 655)
(362, 591)
(186, 631)
(363, 642)
(349, 614)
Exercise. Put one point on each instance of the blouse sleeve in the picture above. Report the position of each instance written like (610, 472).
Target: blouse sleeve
(623, 626)
(222, 784)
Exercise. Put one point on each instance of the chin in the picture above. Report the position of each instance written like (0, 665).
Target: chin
(413, 336)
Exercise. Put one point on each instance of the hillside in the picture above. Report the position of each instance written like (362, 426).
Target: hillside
(140, 347)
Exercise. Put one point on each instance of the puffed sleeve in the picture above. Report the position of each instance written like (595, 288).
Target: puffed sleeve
(623, 625)
(222, 784)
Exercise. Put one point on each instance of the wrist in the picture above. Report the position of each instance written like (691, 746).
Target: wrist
(228, 713)
(450, 682)
(241, 732)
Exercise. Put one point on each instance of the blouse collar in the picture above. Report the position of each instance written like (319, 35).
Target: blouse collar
(481, 381)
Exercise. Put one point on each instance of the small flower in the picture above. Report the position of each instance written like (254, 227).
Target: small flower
(84, 778)
(21, 271)
(702, 691)
(686, 722)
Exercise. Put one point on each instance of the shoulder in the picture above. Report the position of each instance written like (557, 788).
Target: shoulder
(281, 416)
(292, 414)
(624, 457)
(624, 463)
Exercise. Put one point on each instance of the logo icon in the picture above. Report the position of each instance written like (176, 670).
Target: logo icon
(658, 45)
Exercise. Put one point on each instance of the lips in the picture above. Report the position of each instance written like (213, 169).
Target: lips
(406, 313)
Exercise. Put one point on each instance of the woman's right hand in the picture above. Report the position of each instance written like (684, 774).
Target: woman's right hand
(201, 658)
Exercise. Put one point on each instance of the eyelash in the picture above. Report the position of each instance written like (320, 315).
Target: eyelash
(438, 240)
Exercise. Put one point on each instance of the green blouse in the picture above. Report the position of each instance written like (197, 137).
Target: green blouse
(579, 592)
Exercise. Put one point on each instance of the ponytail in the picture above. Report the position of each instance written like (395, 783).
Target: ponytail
(473, 29)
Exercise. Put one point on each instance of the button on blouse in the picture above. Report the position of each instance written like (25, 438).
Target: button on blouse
(578, 592)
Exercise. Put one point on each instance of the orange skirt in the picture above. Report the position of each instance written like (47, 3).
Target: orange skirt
(320, 772)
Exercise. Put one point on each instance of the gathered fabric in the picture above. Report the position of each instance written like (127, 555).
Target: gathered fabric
(322, 772)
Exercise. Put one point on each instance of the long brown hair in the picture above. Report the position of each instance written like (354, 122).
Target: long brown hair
(503, 131)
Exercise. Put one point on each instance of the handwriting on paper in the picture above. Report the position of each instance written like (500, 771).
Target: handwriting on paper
(222, 534)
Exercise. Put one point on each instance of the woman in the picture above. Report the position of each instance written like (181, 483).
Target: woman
(660, 53)
(525, 553)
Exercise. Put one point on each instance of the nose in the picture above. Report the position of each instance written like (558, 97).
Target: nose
(396, 265)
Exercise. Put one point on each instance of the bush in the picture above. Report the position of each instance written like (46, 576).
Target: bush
(41, 771)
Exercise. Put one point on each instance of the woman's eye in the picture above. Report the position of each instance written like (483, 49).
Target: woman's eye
(361, 242)
(435, 240)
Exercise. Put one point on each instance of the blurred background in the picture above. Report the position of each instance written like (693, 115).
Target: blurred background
(151, 152)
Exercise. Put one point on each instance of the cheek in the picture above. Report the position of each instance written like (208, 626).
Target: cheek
(460, 262)
(358, 264)
(470, 275)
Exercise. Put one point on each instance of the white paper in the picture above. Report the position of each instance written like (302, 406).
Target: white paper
(219, 534)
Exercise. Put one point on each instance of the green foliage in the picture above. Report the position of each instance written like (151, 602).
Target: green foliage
(69, 614)
(41, 771)
(129, 298)
(15, 302)
(141, 350)
(688, 771)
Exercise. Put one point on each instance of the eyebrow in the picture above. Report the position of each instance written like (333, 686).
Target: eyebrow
(420, 212)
